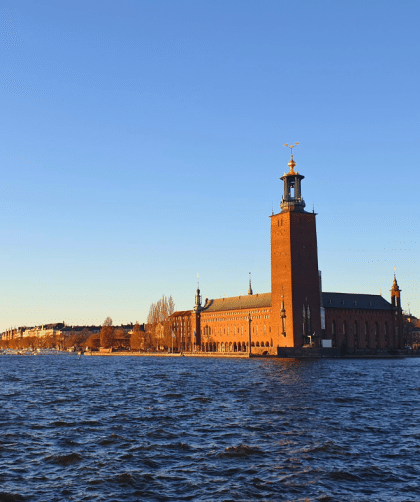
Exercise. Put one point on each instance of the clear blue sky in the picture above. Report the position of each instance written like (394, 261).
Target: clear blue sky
(142, 142)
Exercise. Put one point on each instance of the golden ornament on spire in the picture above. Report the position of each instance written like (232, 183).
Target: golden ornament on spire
(291, 163)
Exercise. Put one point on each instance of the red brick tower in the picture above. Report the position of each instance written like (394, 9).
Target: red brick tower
(296, 313)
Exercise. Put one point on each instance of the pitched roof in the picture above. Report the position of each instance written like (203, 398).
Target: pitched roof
(238, 302)
(354, 301)
(180, 313)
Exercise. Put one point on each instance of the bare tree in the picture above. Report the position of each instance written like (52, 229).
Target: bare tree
(82, 337)
(158, 319)
(107, 334)
(137, 338)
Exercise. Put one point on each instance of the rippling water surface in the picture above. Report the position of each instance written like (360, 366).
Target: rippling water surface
(138, 428)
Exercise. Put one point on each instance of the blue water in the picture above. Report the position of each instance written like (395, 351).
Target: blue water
(160, 429)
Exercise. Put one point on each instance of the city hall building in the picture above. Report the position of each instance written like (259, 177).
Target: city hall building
(296, 313)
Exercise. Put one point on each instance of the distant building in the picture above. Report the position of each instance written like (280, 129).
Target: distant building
(60, 331)
(33, 331)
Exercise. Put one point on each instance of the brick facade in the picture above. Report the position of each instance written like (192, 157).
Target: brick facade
(363, 329)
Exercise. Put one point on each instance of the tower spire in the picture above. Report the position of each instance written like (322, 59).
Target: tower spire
(395, 293)
(197, 305)
(250, 287)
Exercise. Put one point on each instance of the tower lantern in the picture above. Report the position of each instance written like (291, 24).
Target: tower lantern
(292, 195)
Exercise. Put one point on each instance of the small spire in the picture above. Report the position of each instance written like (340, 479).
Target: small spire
(395, 284)
(197, 305)
(250, 288)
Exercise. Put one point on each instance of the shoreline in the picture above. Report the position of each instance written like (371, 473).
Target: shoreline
(245, 355)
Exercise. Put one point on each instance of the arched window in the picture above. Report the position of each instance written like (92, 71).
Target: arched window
(376, 334)
(333, 328)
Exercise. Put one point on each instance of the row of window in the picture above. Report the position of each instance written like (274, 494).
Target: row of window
(208, 331)
(236, 313)
(244, 318)
(232, 346)
(356, 328)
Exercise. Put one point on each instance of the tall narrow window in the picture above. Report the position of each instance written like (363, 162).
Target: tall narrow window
(367, 334)
(308, 315)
